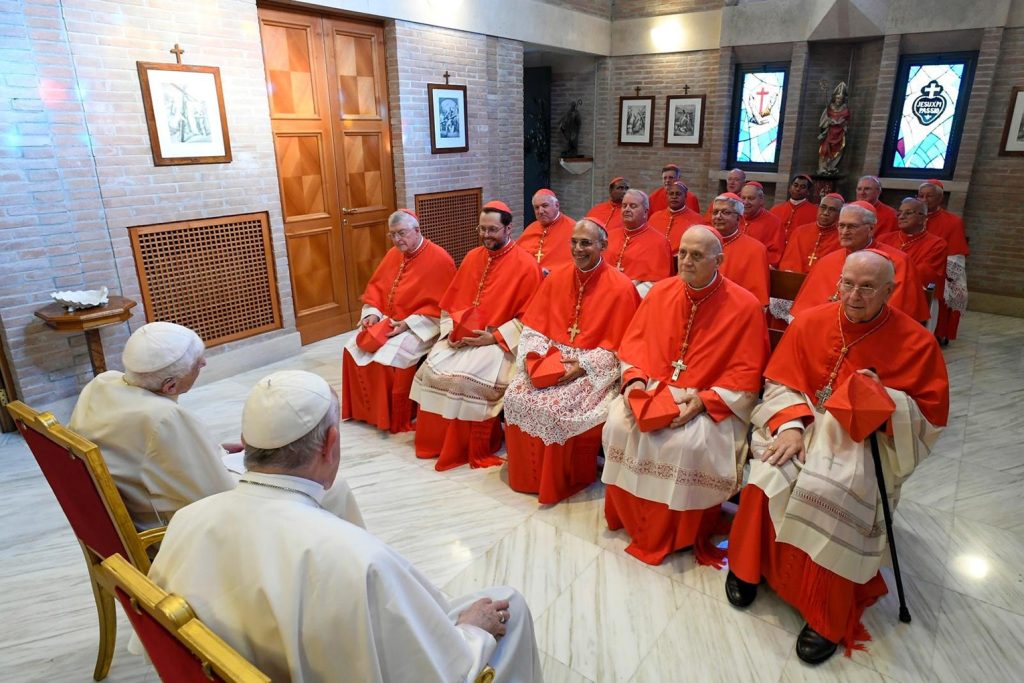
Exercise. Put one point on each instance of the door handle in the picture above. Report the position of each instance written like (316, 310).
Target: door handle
(348, 212)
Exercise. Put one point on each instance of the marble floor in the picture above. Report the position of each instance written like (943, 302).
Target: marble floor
(601, 615)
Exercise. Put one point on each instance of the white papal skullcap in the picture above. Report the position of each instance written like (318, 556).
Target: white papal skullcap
(284, 407)
(154, 346)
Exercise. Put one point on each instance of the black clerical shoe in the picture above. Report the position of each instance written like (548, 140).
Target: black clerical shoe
(739, 592)
(812, 647)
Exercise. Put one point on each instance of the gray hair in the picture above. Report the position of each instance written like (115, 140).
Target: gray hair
(736, 204)
(154, 381)
(404, 218)
(644, 199)
(601, 232)
(875, 179)
(298, 453)
(866, 215)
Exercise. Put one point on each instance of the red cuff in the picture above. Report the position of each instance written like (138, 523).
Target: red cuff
(716, 408)
(797, 412)
(500, 341)
(633, 374)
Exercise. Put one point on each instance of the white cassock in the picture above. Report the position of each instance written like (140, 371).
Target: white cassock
(306, 596)
(160, 455)
(403, 350)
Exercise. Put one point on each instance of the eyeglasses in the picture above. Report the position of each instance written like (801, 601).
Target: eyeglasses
(490, 230)
(866, 290)
(724, 212)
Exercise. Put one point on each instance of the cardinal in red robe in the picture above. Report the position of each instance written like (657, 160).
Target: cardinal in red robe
(926, 251)
(869, 189)
(855, 233)
(698, 342)
(609, 213)
(798, 209)
(547, 238)
(673, 220)
(659, 197)
(639, 251)
(404, 294)
(949, 227)
(810, 241)
(460, 387)
(762, 225)
(745, 259)
(580, 312)
(816, 533)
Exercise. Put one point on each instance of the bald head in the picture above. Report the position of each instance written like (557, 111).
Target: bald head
(868, 189)
(699, 256)
(911, 215)
(545, 207)
(867, 282)
(735, 180)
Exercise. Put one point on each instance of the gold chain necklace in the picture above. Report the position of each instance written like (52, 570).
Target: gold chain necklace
(282, 488)
(913, 238)
(680, 364)
(575, 329)
(814, 252)
(825, 392)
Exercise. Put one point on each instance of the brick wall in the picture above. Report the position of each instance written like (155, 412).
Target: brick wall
(631, 9)
(658, 75)
(993, 208)
(77, 168)
(574, 191)
(492, 71)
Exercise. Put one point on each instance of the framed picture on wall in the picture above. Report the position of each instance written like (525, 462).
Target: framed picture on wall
(1013, 133)
(684, 121)
(449, 131)
(636, 120)
(184, 107)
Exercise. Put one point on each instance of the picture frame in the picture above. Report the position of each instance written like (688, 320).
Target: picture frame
(636, 121)
(449, 119)
(1013, 131)
(684, 120)
(185, 114)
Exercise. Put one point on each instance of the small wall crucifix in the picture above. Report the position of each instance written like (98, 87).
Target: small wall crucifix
(686, 89)
(446, 76)
(637, 88)
(177, 52)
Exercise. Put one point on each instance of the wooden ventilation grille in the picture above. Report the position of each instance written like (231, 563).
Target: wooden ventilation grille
(215, 275)
(451, 218)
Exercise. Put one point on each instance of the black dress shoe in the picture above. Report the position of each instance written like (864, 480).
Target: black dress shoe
(739, 592)
(812, 647)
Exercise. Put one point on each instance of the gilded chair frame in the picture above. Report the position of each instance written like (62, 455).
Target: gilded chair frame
(135, 544)
(174, 614)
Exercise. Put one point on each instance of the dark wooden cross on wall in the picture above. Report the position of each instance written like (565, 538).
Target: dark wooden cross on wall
(637, 88)
(686, 89)
(446, 76)
(177, 52)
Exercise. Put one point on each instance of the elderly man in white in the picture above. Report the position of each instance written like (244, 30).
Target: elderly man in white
(306, 596)
(160, 454)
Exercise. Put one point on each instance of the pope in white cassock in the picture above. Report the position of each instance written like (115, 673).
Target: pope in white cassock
(307, 596)
(160, 454)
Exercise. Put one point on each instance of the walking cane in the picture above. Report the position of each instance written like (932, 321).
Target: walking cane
(904, 612)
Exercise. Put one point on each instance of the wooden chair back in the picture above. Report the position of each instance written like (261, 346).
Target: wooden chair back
(784, 284)
(182, 648)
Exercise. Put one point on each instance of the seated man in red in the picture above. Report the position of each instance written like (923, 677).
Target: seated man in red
(869, 189)
(798, 209)
(547, 238)
(582, 310)
(673, 220)
(762, 225)
(745, 260)
(659, 197)
(460, 387)
(815, 530)
(405, 290)
(609, 213)
(637, 250)
(856, 229)
(700, 342)
(810, 241)
(925, 250)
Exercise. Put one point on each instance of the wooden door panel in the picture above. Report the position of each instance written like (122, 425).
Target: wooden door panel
(355, 55)
(300, 172)
(363, 171)
(309, 256)
(289, 59)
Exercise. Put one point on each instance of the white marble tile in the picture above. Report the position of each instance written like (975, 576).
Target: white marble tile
(705, 642)
(990, 496)
(922, 540)
(933, 483)
(838, 669)
(604, 624)
(538, 559)
(556, 672)
(977, 642)
(985, 563)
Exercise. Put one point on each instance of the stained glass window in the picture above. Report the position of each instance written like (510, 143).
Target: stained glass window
(929, 105)
(757, 116)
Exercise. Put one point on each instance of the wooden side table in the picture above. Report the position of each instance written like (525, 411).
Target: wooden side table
(88, 320)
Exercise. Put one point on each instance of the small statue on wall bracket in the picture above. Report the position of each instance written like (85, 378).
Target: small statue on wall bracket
(569, 126)
(834, 122)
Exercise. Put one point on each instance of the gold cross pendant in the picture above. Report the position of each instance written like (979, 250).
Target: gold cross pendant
(822, 395)
(573, 331)
(679, 366)
(540, 255)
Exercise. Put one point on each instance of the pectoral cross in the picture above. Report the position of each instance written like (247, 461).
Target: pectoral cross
(679, 366)
(822, 395)
(540, 255)
(573, 331)
(811, 259)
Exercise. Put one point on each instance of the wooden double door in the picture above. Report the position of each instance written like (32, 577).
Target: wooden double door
(327, 86)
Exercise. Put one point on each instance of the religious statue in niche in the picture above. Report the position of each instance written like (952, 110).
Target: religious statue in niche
(569, 126)
(834, 122)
